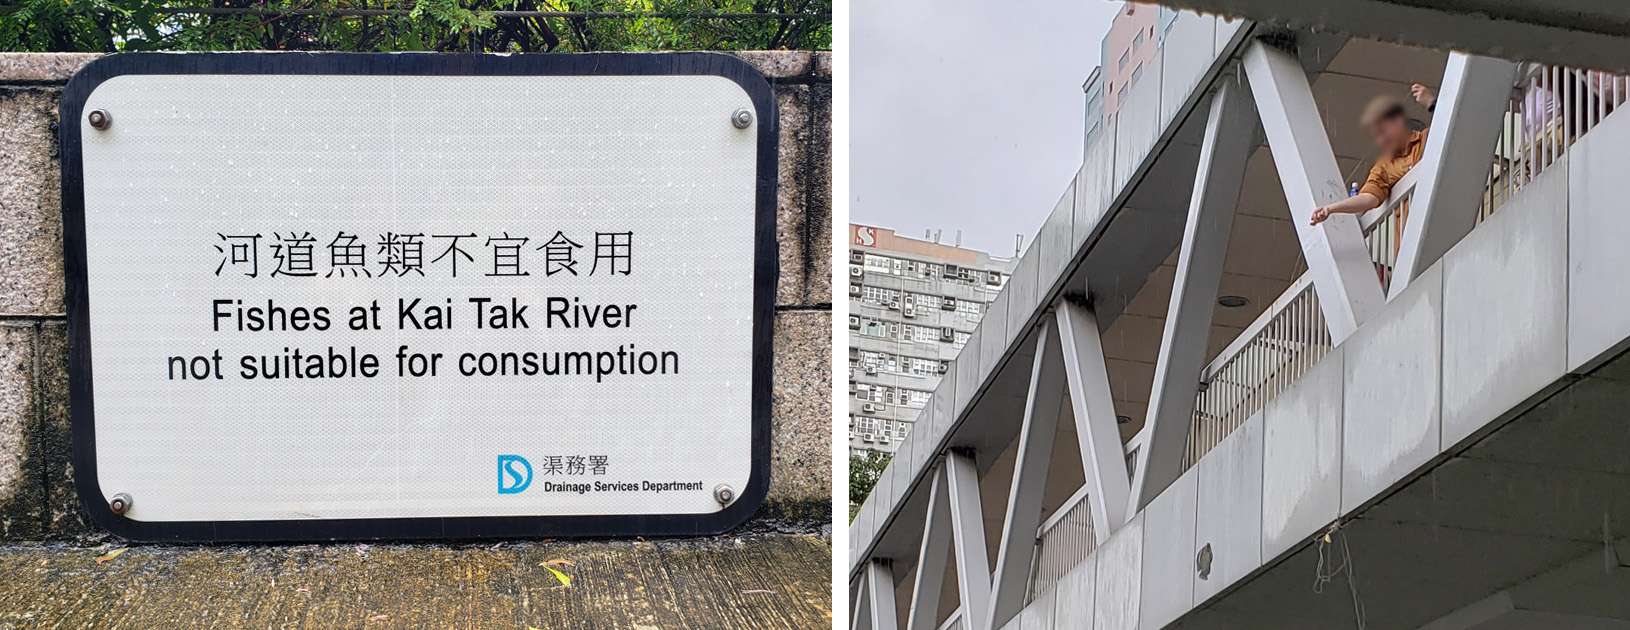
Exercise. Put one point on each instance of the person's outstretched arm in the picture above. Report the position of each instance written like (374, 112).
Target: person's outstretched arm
(1356, 204)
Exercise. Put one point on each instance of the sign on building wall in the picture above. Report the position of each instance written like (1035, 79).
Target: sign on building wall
(355, 296)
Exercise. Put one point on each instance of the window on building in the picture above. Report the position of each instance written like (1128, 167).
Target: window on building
(914, 398)
(1126, 58)
(1138, 41)
(922, 334)
(878, 296)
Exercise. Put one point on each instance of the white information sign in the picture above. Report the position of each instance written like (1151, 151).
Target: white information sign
(361, 296)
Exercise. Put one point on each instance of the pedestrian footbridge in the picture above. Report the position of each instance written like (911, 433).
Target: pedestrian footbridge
(1388, 423)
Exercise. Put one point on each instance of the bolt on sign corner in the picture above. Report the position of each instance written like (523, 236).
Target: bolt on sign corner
(330, 296)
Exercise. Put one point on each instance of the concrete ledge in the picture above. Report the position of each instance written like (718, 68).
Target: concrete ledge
(767, 581)
(42, 67)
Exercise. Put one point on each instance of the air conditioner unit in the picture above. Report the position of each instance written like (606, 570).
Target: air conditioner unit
(872, 369)
(855, 272)
(911, 311)
(911, 300)
(945, 366)
(854, 290)
(854, 322)
(857, 257)
(852, 387)
(950, 271)
(894, 305)
(947, 334)
(994, 278)
(869, 408)
(885, 440)
(948, 304)
(867, 437)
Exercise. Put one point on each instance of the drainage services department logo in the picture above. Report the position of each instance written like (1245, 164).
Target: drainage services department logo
(514, 474)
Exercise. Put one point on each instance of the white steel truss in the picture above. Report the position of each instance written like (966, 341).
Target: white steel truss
(953, 527)
(967, 534)
(1103, 458)
(1040, 425)
(879, 597)
(1069, 357)
(1454, 166)
(1229, 138)
(1337, 258)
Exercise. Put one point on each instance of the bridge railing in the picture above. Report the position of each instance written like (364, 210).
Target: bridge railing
(1062, 542)
(1550, 109)
(1544, 116)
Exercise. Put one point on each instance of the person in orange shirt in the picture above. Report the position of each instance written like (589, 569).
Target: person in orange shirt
(1388, 125)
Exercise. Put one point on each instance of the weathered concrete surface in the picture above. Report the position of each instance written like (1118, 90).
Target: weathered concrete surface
(22, 491)
(757, 581)
(37, 499)
(30, 202)
(802, 409)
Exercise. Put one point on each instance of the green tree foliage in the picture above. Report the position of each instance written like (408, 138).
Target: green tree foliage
(864, 471)
(414, 25)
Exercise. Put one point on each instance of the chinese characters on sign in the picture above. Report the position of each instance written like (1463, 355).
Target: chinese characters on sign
(396, 255)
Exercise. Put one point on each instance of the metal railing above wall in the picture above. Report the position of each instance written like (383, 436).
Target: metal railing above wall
(1551, 108)
(1062, 542)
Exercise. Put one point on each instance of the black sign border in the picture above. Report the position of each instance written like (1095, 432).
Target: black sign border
(766, 269)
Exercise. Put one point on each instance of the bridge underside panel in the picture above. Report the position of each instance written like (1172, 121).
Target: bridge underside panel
(1591, 35)
(1528, 499)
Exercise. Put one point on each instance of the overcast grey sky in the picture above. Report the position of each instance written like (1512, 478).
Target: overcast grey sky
(967, 114)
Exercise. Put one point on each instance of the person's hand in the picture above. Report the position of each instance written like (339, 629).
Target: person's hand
(1319, 215)
(1423, 95)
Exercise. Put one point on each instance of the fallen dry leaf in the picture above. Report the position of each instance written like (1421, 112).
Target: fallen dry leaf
(109, 556)
(565, 580)
(559, 562)
(379, 617)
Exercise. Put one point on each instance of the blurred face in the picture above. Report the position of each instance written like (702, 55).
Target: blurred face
(1390, 134)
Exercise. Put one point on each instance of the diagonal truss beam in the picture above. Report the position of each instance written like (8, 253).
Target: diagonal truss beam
(931, 560)
(1466, 127)
(1337, 258)
(1036, 434)
(1229, 138)
(967, 536)
(880, 595)
(1103, 458)
(861, 618)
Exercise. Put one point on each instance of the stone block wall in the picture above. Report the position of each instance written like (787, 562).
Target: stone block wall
(37, 497)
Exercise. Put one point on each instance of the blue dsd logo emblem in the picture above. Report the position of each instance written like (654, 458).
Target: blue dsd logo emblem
(514, 474)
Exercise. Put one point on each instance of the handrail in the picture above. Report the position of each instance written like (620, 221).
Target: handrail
(1063, 509)
(1367, 222)
(1297, 286)
(1401, 192)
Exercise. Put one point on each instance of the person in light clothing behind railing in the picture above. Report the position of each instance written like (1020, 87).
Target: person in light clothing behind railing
(1388, 125)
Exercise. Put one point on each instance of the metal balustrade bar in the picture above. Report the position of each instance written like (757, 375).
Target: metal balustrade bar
(1062, 542)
